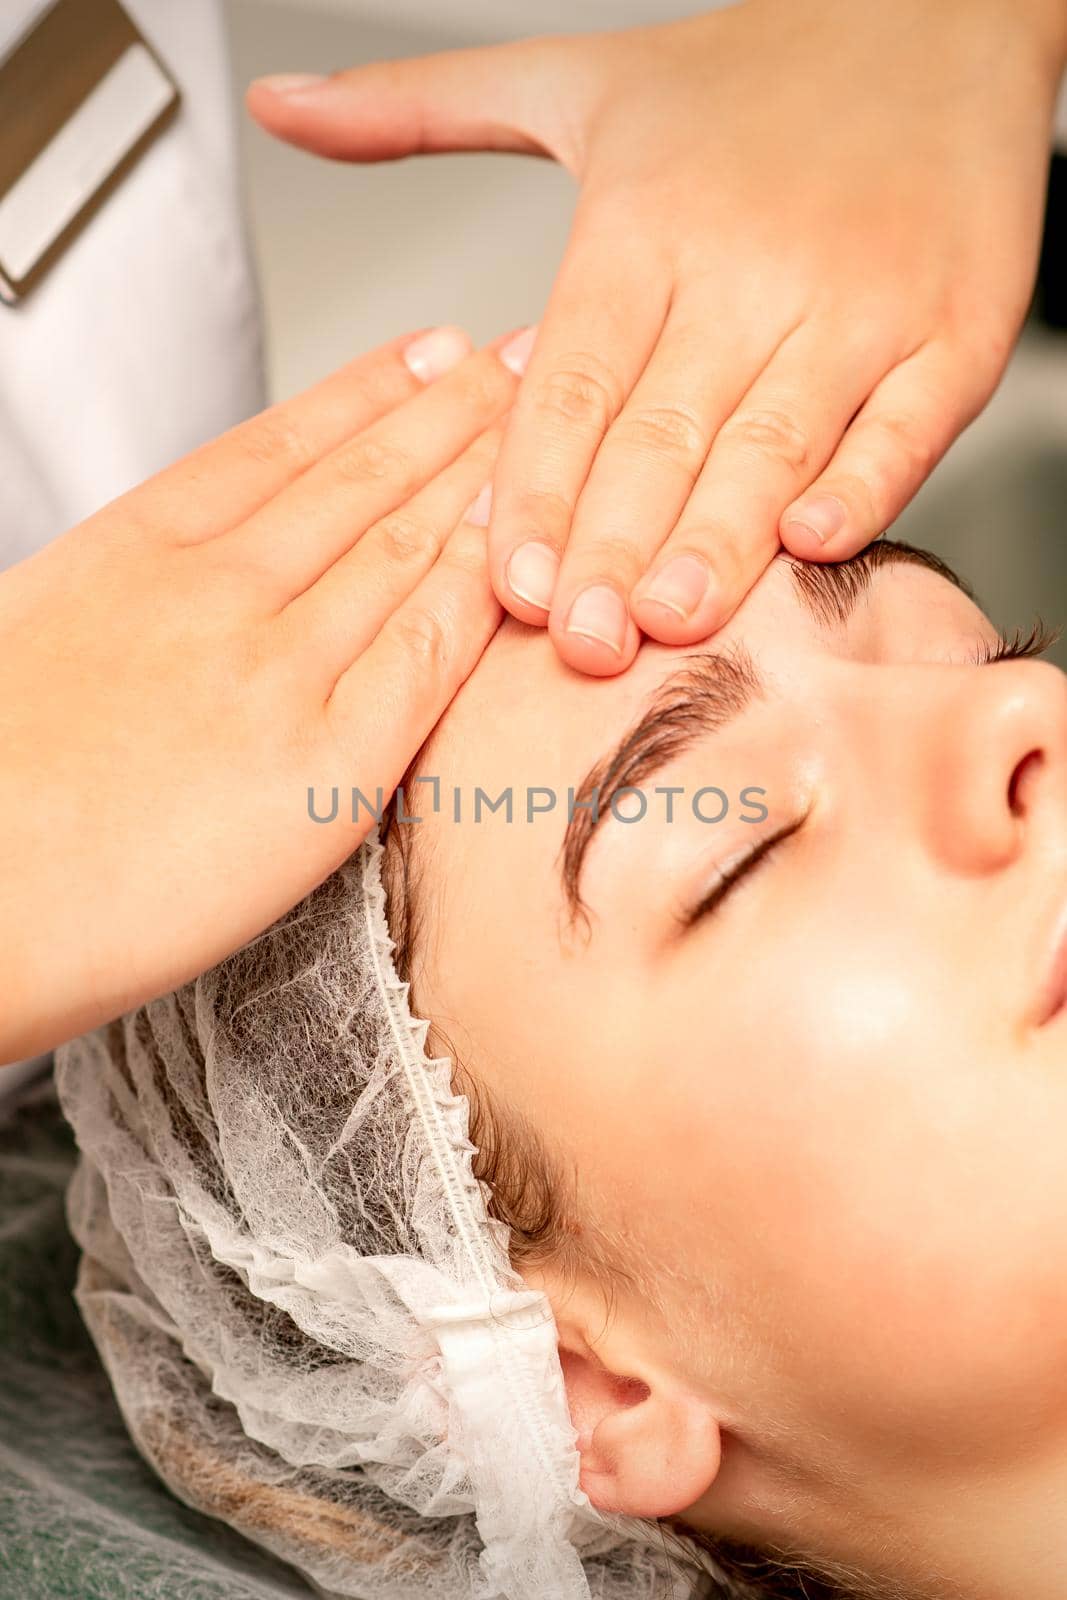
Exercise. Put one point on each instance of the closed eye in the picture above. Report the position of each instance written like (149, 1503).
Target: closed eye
(738, 869)
(1015, 647)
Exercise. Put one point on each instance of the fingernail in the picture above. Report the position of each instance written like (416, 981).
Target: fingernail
(436, 353)
(480, 506)
(516, 353)
(680, 585)
(599, 613)
(291, 82)
(531, 572)
(823, 517)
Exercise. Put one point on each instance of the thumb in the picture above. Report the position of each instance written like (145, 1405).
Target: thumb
(501, 97)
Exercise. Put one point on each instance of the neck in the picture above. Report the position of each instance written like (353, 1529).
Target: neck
(977, 1532)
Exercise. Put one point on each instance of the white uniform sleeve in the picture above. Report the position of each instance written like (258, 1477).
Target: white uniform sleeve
(144, 339)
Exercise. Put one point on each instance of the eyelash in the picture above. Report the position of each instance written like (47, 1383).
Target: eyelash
(756, 856)
(1015, 647)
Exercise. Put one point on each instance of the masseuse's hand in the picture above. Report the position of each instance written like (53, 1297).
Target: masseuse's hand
(804, 245)
(293, 605)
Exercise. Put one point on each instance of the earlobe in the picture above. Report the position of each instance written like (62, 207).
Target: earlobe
(650, 1447)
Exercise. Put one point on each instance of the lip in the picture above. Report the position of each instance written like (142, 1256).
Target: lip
(1053, 999)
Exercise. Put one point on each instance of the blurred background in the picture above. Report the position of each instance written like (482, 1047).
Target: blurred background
(349, 256)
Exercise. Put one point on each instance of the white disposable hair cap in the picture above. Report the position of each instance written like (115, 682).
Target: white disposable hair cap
(305, 1308)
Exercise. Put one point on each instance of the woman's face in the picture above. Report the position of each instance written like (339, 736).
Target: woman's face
(832, 1107)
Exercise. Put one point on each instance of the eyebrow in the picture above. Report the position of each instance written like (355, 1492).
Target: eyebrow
(711, 689)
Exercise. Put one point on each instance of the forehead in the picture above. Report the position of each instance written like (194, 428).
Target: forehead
(524, 717)
(524, 706)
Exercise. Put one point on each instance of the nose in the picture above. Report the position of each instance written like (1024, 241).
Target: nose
(992, 778)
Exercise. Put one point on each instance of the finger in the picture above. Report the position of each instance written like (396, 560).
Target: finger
(224, 482)
(481, 99)
(780, 436)
(889, 451)
(304, 530)
(643, 474)
(388, 701)
(334, 621)
(602, 323)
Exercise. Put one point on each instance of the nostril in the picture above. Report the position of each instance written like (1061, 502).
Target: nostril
(1024, 773)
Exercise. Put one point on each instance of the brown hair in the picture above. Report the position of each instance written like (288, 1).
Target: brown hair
(534, 1194)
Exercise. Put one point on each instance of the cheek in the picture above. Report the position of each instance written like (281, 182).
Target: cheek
(907, 1191)
(894, 1189)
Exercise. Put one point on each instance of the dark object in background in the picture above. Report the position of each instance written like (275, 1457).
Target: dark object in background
(1050, 301)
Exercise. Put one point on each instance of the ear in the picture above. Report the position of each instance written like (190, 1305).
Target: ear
(649, 1446)
(650, 1441)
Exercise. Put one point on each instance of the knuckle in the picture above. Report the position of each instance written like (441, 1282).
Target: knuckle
(364, 461)
(909, 445)
(716, 544)
(423, 637)
(404, 541)
(372, 390)
(771, 433)
(466, 552)
(579, 392)
(545, 512)
(274, 438)
(668, 433)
